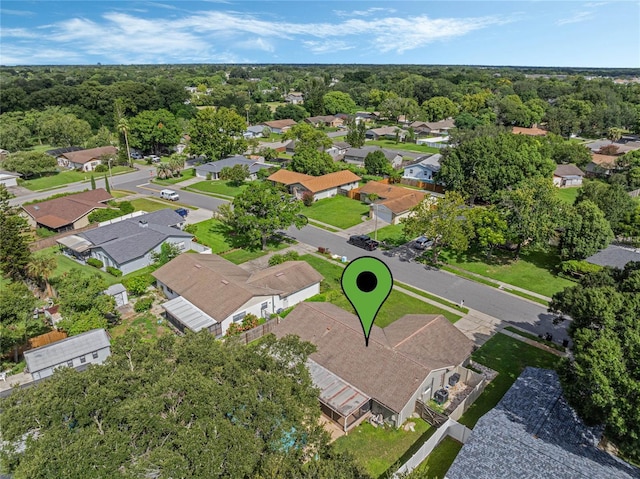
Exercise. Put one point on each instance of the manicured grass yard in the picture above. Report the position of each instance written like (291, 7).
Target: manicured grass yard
(379, 448)
(439, 461)
(534, 271)
(568, 195)
(220, 187)
(392, 234)
(339, 211)
(149, 205)
(121, 193)
(239, 256)
(70, 176)
(397, 305)
(508, 357)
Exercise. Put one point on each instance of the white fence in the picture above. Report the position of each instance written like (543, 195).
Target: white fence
(123, 217)
(450, 428)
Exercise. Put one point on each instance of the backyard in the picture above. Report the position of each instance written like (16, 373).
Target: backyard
(147, 324)
(568, 195)
(397, 304)
(378, 449)
(509, 357)
(220, 187)
(439, 461)
(339, 211)
(63, 178)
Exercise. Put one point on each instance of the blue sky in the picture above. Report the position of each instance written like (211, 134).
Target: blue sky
(525, 33)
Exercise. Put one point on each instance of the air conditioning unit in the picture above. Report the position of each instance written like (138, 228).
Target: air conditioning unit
(441, 396)
(453, 379)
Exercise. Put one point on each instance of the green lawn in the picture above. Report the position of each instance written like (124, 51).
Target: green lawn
(392, 234)
(379, 448)
(148, 325)
(508, 357)
(184, 175)
(534, 271)
(568, 195)
(121, 193)
(239, 256)
(339, 211)
(533, 337)
(397, 304)
(211, 233)
(436, 465)
(220, 187)
(70, 176)
(149, 205)
(392, 145)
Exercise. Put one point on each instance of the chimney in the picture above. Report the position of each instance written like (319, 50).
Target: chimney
(142, 224)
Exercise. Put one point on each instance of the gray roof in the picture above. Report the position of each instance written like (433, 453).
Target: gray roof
(364, 151)
(534, 433)
(216, 166)
(127, 240)
(566, 171)
(115, 289)
(615, 256)
(431, 162)
(62, 351)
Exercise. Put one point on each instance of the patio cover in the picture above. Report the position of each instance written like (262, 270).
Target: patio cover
(336, 393)
(75, 243)
(192, 317)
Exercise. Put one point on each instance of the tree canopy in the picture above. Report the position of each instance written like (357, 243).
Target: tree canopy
(376, 163)
(14, 240)
(586, 231)
(30, 163)
(217, 134)
(176, 407)
(154, 131)
(602, 377)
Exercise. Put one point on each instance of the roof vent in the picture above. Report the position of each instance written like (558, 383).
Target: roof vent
(36, 207)
(142, 224)
(197, 266)
(224, 281)
(279, 274)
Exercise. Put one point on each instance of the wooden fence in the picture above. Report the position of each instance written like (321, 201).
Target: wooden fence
(259, 331)
(423, 185)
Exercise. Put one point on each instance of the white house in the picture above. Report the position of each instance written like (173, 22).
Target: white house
(424, 169)
(91, 347)
(325, 186)
(209, 292)
(567, 175)
(86, 160)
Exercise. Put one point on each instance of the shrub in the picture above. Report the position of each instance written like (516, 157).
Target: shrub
(143, 304)
(192, 228)
(106, 214)
(276, 259)
(96, 263)
(43, 232)
(114, 271)
(126, 207)
(577, 268)
(137, 285)
(282, 258)
(307, 198)
(101, 169)
(208, 176)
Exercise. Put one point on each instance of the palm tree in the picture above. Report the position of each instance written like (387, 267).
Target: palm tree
(40, 269)
(164, 171)
(123, 127)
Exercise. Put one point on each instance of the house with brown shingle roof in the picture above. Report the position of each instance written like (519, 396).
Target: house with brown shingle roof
(279, 126)
(407, 361)
(566, 176)
(325, 186)
(391, 202)
(67, 213)
(86, 160)
(601, 165)
(206, 291)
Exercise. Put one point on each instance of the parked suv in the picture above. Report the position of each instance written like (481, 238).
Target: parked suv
(363, 241)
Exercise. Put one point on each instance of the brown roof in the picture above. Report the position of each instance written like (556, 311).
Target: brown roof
(280, 123)
(315, 183)
(63, 211)
(85, 156)
(396, 198)
(518, 130)
(600, 160)
(568, 170)
(398, 358)
(219, 287)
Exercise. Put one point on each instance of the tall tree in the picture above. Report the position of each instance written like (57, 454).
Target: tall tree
(154, 130)
(93, 183)
(586, 231)
(14, 239)
(106, 184)
(490, 227)
(217, 133)
(439, 108)
(30, 163)
(601, 378)
(40, 269)
(259, 212)
(443, 220)
(356, 133)
(338, 102)
(376, 163)
(613, 200)
(16, 316)
(236, 174)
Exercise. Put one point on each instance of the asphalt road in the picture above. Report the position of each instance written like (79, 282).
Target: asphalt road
(525, 314)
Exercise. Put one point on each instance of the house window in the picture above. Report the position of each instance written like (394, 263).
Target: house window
(217, 329)
(411, 171)
(83, 360)
(181, 246)
(94, 355)
(264, 305)
(239, 317)
(70, 364)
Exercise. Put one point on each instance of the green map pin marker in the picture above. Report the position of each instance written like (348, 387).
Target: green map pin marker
(367, 283)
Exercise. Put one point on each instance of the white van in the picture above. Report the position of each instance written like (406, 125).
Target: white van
(169, 195)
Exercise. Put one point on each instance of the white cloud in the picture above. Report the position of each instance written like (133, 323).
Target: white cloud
(20, 13)
(363, 13)
(330, 46)
(576, 18)
(257, 44)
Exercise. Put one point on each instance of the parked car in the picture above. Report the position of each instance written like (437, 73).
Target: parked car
(363, 241)
(136, 156)
(182, 212)
(422, 243)
(169, 195)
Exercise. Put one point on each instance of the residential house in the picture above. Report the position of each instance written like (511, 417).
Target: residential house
(279, 126)
(615, 256)
(91, 347)
(567, 175)
(277, 146)
(533, 432)
(338, 149)
(601, 165)
(424, 169)
(356, 156)
(128, 244)
(620, 147)
(214, 168)
(533, 131)
(208, 292)
(405, 362)
(9, 178)
(254, 131)
(325, 186)
(392, 202)
(86, 160)
(68, 212)
(441, 127)
(294, 97)
(330, 121)
(386, 133)
(434, 141)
